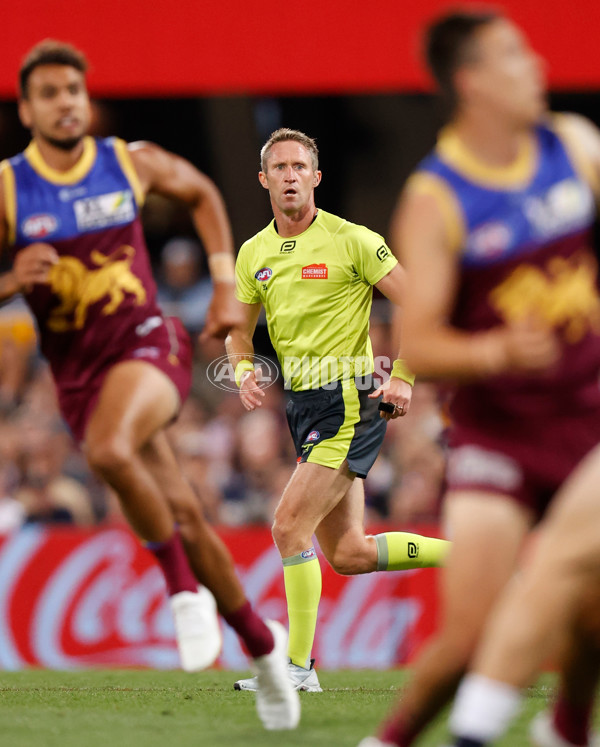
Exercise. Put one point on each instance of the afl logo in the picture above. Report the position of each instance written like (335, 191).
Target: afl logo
(221, 373)
(313, 436)
(490, 240)
(39, 226)
(263, 275)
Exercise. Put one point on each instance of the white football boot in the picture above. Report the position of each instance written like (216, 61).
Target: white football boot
(197, 629)
(302, 679)
(374, 742)
(277, 701)
(543, 734)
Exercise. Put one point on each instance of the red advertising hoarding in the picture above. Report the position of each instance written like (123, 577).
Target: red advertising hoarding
(197, 48)
(76, 599)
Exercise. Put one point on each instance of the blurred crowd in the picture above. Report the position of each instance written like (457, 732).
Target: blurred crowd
(237, 462)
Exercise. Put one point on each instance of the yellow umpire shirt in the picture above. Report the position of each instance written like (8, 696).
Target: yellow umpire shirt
(317, 292)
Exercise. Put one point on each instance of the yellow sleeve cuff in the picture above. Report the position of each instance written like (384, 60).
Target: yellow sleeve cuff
(401, 371)
(240, 369)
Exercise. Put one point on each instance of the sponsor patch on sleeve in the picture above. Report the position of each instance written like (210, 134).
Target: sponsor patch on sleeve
(263, 274)
(383, 253)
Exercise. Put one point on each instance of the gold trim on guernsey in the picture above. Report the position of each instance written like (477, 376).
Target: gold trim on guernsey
(10, 200)
(426, 183)
(455, 153)
(75, 174)
(126, 162)
(580, 160)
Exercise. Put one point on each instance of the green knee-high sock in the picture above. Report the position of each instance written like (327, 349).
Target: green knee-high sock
(302, 577)
(400, 551)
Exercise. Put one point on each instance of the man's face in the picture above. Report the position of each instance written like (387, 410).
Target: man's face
(57, 107)
(289, 177)
(506, 75)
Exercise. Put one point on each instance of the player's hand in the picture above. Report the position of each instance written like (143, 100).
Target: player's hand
(32, 265)
(224, 312)
(528, 346)
(250, 392)
(532, 346)
(398, 393)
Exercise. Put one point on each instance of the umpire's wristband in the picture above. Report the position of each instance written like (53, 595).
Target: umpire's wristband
(241, 369)
(401, 371)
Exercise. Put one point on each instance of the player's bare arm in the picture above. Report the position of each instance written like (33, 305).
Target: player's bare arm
(3, 223)
(433, 348)
(8, 286)
(240, 350)
(31, 264)
(394, 390)
(169, 175)
(582, 137)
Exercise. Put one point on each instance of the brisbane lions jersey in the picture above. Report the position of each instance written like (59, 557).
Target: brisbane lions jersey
(523, 235)
(101, 294)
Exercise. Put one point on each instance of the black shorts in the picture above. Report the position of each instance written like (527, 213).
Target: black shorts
(337, 423)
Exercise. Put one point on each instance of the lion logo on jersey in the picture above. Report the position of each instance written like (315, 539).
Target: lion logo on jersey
(78, 287)
(563, 293)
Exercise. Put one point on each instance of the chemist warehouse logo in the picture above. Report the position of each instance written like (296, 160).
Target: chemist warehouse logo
(221, 373)
(315, 272)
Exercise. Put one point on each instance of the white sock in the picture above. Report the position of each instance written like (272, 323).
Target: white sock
(483, 708)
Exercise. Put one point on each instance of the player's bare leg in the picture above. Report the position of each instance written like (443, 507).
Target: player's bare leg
(550, 593)
(210, 559)
(487, 533)
(548, 602)
(571, 717)
(126, 445)
(136, 401)
(277, 703)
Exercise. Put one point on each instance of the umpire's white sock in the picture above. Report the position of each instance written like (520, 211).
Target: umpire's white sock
(483, 708)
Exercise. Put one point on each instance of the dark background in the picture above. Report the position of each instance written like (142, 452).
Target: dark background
(368, 145)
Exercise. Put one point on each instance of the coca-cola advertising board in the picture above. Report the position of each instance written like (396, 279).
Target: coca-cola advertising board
(76, 599)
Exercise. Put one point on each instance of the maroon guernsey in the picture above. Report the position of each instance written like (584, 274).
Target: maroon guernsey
(100, 306)
(527, 252)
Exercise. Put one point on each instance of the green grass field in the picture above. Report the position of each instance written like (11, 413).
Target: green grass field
(173, 709)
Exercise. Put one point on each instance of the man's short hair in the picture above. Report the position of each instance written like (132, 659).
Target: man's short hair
(284, 134)
(449, 44)
(50, 52)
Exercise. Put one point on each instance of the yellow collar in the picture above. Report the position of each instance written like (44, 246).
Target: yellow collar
(74, 174)
(454, 152)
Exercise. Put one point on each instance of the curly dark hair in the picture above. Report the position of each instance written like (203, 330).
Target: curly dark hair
(50, 52)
